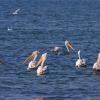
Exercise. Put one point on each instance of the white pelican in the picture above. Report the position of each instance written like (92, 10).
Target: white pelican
(16, 11)
(32, 60)
(96, 66)
(68, 45)
(80, 62)
(42, 69)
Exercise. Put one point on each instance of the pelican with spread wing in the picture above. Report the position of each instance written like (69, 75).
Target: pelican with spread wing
(96, 66)
(31, 60)
(41, 68)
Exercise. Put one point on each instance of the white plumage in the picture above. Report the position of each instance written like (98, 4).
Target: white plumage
(31, 60)
(16, 11)
(42, 69)
(80, 62)
(31, 65)
(57, 50)
(96, 65)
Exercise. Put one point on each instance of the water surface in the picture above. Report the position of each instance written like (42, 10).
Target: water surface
(42, 24)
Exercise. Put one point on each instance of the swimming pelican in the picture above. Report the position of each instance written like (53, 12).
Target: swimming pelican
(60, 50)
(80, 62)
(42, 69)
(56, 50)
(68, 45)
(96, 66)
(16, 11)
(32, 60)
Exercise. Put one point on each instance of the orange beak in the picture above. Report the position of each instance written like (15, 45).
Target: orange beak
(41, 60)
(31, 57)
(70, 46)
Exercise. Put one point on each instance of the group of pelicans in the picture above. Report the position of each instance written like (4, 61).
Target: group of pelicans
(39, 65)
(41, 68)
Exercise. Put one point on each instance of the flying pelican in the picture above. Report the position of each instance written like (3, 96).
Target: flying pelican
(96, 66)
(80, 62)
(42, 69)
(68, 45)
(32, 60)
(16, 11)
(59, 50)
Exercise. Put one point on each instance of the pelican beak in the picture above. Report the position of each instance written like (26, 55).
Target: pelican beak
(70, 46)
(41, 60)
(94, 70)
(28, 59)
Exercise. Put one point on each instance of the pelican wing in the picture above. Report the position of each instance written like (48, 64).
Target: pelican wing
(28, 59)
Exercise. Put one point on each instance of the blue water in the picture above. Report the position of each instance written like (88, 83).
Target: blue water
(39, 25)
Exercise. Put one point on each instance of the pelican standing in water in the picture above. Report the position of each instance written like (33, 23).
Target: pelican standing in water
(16, 11)
(68, 45)
(80, 62)
(42, 69)
(32, 60)
(96, 66)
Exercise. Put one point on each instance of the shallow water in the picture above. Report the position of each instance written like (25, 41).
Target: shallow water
(39, 25)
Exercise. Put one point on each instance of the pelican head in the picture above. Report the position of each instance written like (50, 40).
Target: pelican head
(35, 52)
(79, 52)
(44, 55)
(32, 57)
(68, 45)
(57, 48)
